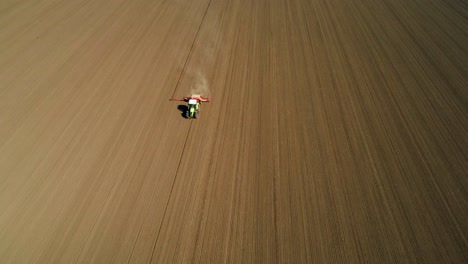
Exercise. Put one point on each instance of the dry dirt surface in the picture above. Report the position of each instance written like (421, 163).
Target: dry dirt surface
(337, 131)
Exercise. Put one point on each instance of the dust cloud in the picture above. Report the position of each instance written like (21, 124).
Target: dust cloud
(200, 85)
(203, 63)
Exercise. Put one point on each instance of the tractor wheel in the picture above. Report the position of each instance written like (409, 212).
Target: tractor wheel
(195, 115)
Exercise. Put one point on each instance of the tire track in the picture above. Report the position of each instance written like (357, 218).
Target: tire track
(189, 129)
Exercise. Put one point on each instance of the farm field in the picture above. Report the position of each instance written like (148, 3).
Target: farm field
(337, 131)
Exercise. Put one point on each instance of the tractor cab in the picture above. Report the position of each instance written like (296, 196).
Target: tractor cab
(193, 108)
(192, 102)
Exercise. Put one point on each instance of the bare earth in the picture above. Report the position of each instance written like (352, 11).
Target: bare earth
(337, 131)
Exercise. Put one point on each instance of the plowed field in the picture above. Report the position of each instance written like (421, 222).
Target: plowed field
(337, 131)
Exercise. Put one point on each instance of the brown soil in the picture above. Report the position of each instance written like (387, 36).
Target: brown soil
(337, 131)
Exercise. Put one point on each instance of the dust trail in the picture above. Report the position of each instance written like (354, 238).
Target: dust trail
(200, 85)
(208, 45)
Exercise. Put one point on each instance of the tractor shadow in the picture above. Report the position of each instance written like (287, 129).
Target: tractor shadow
(183, 109)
